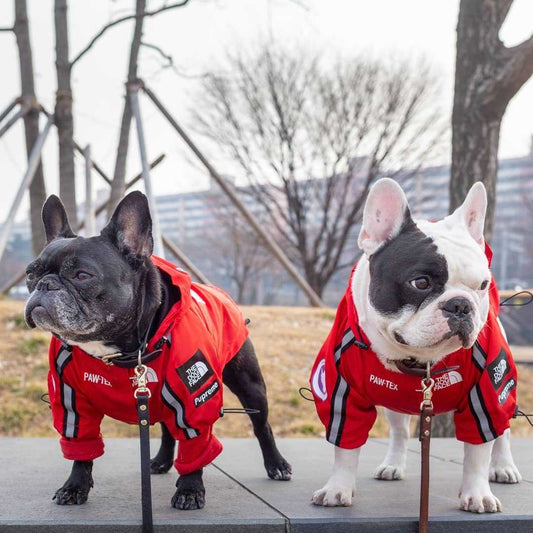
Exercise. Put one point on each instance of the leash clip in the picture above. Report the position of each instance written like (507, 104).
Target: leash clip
(140, 374)
(427, 389)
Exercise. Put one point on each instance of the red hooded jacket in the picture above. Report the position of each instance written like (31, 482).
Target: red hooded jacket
(205, 328)
(348, 380)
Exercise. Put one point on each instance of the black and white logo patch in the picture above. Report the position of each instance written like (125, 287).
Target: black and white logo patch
(504, 394)
(498, 369)
(207, 394)
(195, 372)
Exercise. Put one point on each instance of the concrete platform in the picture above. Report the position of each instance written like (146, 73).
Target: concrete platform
(241, 499)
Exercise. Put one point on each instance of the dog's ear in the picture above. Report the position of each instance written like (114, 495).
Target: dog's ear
(130, 227)
(55, 220)
(472, 212)
(385, 212)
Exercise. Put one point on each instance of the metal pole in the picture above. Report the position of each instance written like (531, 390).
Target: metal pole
(133, 92)
(184, 260)
(33, 163)
(90, 223)
(8, 109)
(20, 113)
(15, 280)
(278, 253)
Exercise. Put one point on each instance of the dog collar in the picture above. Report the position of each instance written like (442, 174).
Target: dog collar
(413, 367)
(131, 359)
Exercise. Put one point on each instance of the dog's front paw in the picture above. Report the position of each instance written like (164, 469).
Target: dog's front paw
(71, 495)
(389, 471)
(333, 496)
(76, 489)
(504, 472)
(190, 493)
(279, 470)
(479, 500)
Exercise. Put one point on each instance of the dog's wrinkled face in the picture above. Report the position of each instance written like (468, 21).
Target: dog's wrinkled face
(85, 289)
(425, 294)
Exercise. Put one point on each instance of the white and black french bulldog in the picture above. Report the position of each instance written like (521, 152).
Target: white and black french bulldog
(103, 298)
(422, 292)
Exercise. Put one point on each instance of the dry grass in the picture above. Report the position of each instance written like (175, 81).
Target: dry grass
(286, 341)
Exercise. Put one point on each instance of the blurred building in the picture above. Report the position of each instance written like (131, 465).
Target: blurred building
(203, 224)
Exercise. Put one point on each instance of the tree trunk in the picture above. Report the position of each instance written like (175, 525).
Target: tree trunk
(487, 76)
(118, 186)
(63, 113)
(31, 121)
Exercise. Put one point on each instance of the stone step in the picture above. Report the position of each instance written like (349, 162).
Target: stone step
(241, 499)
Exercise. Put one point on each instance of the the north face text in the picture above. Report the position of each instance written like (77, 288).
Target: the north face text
(195, 372)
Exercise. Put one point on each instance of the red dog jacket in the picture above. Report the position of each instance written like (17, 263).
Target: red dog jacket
(205, 328)
(348, 380)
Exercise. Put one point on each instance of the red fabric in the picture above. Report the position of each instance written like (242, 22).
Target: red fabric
(206, 328)
(481, 390)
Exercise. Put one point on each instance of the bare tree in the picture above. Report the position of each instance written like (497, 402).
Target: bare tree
(63, 108)
(31, 120)
(118, 186)
(63, 113)
(310, 140)
(487, 76)
(236, 249)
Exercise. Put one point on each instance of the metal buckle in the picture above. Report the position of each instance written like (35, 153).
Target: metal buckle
(140, 373)
(427, 389)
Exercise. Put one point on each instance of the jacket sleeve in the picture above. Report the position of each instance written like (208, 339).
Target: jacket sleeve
(491, 402)
(346, 415)
(189, 416)
(74, 417)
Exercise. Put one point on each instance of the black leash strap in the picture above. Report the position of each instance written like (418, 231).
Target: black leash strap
(142, 395)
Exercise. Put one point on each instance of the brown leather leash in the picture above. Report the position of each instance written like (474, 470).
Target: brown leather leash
(426, 417)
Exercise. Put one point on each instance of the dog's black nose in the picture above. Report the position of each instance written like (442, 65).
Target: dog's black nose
(48, 283)
(457, 307)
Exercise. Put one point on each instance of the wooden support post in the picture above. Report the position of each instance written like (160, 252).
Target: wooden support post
(33, 162)
(95, 166)
(19, 114)
(185, 261)
(133, 95)
(90, 222)
(8, 109)
(15, 280)
(274, 248)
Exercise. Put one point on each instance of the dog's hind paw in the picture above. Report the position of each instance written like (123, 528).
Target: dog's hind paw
(389, 472)
(71, 496)
(157, 467)
(280, 471)
(479, 502)
(333, 496)
(507, 473)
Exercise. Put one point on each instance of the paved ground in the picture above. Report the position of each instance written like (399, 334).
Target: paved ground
(241, 499)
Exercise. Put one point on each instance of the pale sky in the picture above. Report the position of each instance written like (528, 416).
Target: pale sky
(197, 37)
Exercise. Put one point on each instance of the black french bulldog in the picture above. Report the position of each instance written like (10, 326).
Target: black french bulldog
(100, 297)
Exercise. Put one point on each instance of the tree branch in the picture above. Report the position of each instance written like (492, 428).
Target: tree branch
(517, 68)
(7, 29)
(164, 55)
(119, 21)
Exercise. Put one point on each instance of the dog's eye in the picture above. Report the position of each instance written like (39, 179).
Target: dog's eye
(82, 276)
(30, 276)
(421, 284)
(484, 285)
